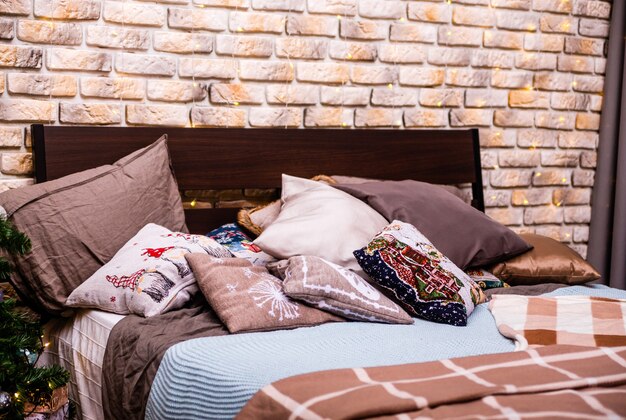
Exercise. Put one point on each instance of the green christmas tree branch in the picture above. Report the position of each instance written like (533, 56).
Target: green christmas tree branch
(21, 341)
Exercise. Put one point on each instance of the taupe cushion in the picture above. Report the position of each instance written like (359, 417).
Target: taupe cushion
(335, 289)
(77, 223)
(468, 237)
(549, 261)
(247, 297)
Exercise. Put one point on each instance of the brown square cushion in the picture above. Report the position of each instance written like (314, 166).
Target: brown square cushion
(77, 223)
(247, 297)
(549, 261)
(468, 237)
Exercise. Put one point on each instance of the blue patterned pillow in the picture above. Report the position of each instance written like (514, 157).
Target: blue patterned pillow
(424, 281)
(239, 244)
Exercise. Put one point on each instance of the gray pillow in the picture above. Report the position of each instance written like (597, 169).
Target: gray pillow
(77, 223)
(468, 237)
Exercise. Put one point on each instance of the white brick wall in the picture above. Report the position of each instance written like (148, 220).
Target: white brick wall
(529, 73)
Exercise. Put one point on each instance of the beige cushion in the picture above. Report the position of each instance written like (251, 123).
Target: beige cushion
(247, 298)
(319, 220)
(78, 222)
(335, 289)
(148, 276)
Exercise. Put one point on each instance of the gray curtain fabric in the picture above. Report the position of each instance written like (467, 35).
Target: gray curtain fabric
(607, 241)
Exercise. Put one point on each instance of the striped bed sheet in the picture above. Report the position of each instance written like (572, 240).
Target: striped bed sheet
(78, 345)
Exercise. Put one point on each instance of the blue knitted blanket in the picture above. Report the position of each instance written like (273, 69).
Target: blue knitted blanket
(210, 378)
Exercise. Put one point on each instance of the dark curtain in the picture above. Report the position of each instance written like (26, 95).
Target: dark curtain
(607, 240)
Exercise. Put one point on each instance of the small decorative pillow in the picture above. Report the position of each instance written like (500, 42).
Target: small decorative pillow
(484, 279)
(239, 244)
(148, 276)
(338, 290)
(247, 297)
(426, 282)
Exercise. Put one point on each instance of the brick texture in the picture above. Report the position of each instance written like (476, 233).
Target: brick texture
(528, 73)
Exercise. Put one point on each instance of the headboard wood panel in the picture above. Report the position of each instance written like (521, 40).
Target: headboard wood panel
(230, 158)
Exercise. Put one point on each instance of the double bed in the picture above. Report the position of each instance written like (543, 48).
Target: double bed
(183, 363)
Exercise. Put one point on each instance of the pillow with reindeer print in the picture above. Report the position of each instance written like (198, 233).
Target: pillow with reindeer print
(149, 275)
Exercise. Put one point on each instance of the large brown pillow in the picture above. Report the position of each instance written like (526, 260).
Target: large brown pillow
(77, 223)
(338, 290)
(465, 235)
(247, 297)
(548, 262)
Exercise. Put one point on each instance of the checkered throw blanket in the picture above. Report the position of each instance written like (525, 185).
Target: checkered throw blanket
(577, 320)
(547, 382)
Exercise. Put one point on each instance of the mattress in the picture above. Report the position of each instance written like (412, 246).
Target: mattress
(214, 377)
(78, 344)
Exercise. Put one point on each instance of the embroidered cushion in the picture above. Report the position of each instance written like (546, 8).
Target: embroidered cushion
(247, 297)
(484, 279)
(148, 276)
(319, 220)
(239, 244)
(338, 290)
(426, 282)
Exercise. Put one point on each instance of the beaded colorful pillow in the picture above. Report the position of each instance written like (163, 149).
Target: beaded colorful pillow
(427, 284)
(239, 244)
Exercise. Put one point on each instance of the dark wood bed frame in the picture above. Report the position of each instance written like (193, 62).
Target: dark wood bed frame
(232, 158)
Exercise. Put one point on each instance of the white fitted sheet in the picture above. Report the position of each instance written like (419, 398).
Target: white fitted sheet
(78, 344)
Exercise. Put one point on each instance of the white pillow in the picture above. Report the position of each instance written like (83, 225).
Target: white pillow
(149, 275)
(319, 220)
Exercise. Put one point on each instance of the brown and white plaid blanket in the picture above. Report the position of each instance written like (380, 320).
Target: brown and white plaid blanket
(577, 320)
(547, 382)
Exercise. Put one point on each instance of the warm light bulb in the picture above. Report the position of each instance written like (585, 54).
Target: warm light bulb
(538, 174)
(564, 180)
(348, 56)
(390, 86)
(236, 103)
(401, 19)
(239, 29)
(194, 201)
(525, 202)
(339, 17)
(344, 124)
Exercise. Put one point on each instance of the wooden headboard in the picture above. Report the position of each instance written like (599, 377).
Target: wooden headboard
(231, 158)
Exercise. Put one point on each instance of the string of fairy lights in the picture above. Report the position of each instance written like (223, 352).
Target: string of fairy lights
(232, 100)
